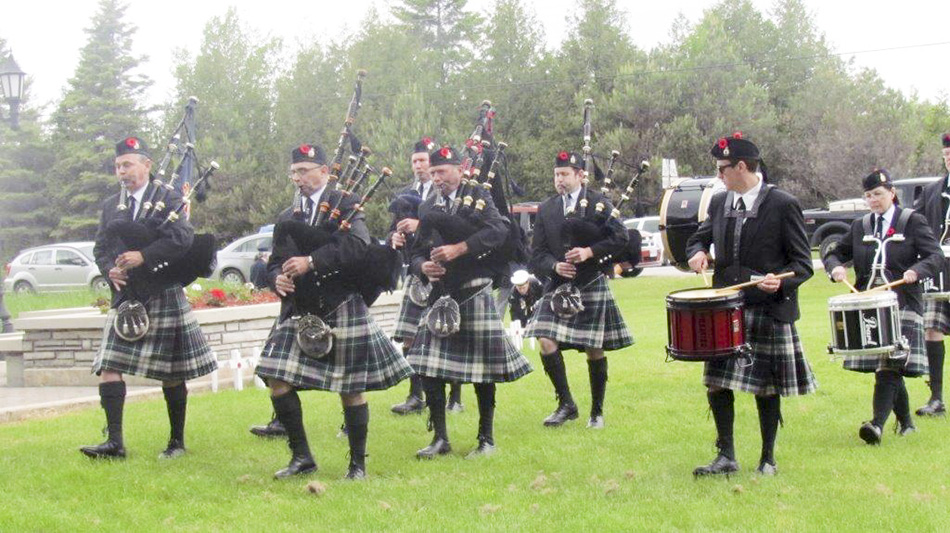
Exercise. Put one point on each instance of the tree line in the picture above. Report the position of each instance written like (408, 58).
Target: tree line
(821, 122)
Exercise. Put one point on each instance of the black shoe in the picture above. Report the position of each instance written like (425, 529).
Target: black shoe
(439, 446)
(454, 407)
(933, 408)
(297, 466)
(563, 413)
(720, 465)
(484, 449)
(903, 430)
(412, 405)
(595, 422)
(870, 433)
(273, 429)
(175, 448)
(107, 450)
(766, 469)
(355, 472)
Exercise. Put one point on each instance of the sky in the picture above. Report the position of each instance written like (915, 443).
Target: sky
(907, 45)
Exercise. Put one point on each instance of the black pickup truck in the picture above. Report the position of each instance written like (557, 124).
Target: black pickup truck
(825, 226)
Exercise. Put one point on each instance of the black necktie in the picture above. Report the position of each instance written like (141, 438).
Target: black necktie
(879, 229)
(309, 207)
(132, 206)
(737, 236)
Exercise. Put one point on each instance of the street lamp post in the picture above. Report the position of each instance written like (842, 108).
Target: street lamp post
(11, 84)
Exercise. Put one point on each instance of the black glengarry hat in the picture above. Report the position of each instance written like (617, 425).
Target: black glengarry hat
(878, 178)
(445, 155)
(132, 145)
(426, 144)
(569, 159)
(311, 153)
(735, 147)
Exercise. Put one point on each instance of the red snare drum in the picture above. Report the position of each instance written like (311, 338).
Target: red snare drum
(705, 325)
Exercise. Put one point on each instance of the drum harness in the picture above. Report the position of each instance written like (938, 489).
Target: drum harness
(879, 262)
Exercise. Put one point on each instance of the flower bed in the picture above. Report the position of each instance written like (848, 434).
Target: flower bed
(228, 296)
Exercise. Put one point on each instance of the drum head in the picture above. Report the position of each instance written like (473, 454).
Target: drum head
(131, 321)
(862, 300)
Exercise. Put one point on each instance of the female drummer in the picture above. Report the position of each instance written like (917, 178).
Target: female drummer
(903, 248)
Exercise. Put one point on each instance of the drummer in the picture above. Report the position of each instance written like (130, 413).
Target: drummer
(935, 206)
(758, 231)
(915, 256)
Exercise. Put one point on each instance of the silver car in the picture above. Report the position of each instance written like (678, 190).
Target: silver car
(54, 267)
(235, 260)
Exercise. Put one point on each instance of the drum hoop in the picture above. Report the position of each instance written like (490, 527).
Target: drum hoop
(734, 294)
(867, 353)
(937, 296)
(708, 355)
(862, 301)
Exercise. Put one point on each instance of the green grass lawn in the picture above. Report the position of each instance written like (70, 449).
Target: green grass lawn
(634, 475)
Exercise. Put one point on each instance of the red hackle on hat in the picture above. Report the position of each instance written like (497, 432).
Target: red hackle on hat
(723, 143)
(737, 135)
(562, 155)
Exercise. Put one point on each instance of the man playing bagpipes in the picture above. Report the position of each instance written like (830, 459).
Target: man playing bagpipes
(150, 330)
(405, 210)
(462, 338)
(324, 338)
(572, 247)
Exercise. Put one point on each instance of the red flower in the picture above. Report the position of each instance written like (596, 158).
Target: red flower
(132, 143)
(562, 156)
(427, 141)
(217, 294)
(304, 149)
(723, 143)
(737, 135)
(445, 152)
(890, 231)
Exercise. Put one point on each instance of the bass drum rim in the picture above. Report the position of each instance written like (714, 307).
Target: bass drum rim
(709, 188)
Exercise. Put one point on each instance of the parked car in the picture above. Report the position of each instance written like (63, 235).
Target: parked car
(54, 267)
(651, 247)
(234, 261)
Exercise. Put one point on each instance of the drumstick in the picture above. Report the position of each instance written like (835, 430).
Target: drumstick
(850, 286)
(755, 282)
(887, 286)
(705, 277)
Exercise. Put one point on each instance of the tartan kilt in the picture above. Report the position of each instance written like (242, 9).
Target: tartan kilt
(599, 325)
(778, 361)
(362, 358)
(173, 349)
(410, 315)
(914, 365)
(937, 315)
(480, 352)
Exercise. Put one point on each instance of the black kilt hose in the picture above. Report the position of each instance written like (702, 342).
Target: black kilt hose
(598, 326)
(480, 352)
(410, 315)
(362, 358)
(778, 361)
(910, 362)
(173, 349)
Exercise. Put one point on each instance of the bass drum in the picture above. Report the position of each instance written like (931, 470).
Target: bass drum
(683, 208)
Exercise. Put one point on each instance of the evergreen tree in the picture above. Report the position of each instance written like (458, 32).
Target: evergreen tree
(102, 104)
(233, 77)
(24, 161)
(445, 30)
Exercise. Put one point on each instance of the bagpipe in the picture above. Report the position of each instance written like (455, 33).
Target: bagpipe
(138, 233)
(457, 221)
(585, 226)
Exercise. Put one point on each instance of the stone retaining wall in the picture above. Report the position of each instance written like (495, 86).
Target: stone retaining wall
(57, 348)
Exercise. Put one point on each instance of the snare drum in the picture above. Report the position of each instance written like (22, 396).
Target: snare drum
(937, 288)
(864, 325)
(705, 325)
